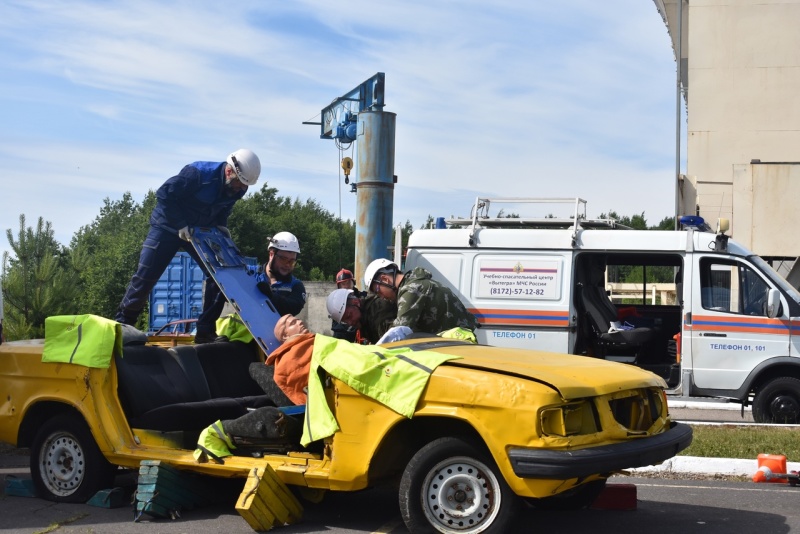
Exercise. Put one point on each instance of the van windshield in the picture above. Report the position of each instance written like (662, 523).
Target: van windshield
(776, 278)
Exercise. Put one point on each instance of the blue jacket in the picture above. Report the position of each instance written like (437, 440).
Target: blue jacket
(195, 197)
(288, 296)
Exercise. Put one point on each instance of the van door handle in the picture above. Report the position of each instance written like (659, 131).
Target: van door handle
(713, 334)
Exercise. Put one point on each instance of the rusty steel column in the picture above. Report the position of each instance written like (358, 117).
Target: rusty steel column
(375, 188)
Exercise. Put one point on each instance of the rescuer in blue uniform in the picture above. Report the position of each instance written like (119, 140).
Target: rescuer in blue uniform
(202, 194)
(275, 278)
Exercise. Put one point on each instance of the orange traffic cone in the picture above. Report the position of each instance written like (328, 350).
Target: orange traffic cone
(770, 467)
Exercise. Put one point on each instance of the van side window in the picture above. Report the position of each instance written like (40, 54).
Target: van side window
(643, 279)
(732, 287)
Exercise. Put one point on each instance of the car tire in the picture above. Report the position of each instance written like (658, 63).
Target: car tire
(778, 402)
(451, 486)
(66, 464)
(572, 499)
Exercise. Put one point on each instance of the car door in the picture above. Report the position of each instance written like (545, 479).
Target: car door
(730, 332)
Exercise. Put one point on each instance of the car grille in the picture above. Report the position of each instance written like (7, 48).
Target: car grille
(637, 409)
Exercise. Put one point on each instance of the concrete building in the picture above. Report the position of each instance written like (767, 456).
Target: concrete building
(740, 78)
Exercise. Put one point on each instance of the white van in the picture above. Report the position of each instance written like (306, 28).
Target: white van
(709, 316)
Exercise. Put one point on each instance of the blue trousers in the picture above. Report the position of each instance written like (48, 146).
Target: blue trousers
(158, 250)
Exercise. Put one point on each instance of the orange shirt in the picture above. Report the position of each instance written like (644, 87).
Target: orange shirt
(292, 361)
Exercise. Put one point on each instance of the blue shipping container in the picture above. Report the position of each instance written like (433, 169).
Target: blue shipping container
(178, 294)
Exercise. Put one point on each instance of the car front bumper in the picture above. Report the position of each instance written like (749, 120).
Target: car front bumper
(565, 464)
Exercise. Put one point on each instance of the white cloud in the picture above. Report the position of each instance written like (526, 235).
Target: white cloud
(541, 99)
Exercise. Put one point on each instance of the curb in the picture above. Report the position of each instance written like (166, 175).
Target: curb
(708, 466)
(705, 405)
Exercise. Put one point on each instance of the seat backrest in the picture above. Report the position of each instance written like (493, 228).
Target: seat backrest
(595, 301)
(227, 368)
(186, 356)
(149, 377)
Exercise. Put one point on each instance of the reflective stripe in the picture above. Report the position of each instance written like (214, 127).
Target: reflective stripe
(78, 344)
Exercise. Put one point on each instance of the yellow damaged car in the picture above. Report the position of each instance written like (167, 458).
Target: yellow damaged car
(488, 429)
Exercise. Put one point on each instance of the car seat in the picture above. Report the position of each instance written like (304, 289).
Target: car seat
(598, 313)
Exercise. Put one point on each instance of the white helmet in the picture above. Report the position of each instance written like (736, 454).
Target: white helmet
(337, 303)
(246, 165)
(284, 241)
(373, 269)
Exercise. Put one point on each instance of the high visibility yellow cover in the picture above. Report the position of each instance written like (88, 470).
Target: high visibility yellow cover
(214, 443)
(459, 333)
(232, 327)
(393, 377)
(87, 340)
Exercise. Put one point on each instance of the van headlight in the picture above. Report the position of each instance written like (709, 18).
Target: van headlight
(569, 419)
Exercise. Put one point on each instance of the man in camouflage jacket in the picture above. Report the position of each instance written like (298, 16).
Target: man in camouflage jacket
(423, 304)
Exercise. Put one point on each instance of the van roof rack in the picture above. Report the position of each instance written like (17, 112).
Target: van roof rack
(479, 216)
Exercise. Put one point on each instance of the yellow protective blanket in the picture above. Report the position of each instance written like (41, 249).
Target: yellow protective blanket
(393, 377)
(81, 339)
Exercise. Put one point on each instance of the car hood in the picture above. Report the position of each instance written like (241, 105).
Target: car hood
(573, 376)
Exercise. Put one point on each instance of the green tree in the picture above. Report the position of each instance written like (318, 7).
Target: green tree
(39, 280)
(667, 223)
(106, 253)
(327, 243)
(637, 222)
(636, 273)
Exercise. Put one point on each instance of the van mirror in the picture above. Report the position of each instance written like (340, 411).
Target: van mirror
(773, 303)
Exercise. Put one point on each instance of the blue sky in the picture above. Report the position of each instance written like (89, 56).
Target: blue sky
(503, 98)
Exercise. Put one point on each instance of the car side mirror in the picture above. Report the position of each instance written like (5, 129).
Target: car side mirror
(773, 303)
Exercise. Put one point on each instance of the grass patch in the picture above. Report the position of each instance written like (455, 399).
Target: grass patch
(744, 442)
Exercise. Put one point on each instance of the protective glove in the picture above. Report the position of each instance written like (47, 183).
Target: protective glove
(265, 288)
(395, 333)
(184, 234)
(224, 230)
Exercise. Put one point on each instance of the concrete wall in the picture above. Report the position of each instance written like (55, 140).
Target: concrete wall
(744, 70)
(742, 82)
(315, 313)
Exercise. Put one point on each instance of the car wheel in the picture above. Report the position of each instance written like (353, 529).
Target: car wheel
(66, 464)
(778, 402)
(572, 499)
(450, 486)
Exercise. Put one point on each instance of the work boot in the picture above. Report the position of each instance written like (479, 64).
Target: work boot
(204, 337)
(267, 423)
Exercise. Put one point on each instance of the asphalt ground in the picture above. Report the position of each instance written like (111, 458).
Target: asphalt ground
(684, 494)
(660, 505)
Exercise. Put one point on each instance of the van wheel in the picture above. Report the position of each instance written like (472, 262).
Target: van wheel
(66, 464)
(778, 402)
(450, 486)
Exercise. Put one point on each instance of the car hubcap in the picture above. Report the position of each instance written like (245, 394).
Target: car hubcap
(62, 464)
(460, 495)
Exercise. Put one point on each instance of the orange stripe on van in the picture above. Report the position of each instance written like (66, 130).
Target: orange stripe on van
(740, 324)
(521, 317)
